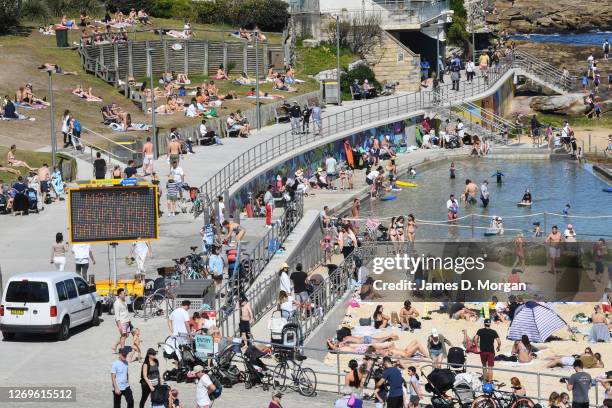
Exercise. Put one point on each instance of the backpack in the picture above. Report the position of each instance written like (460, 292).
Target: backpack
(159, 395)
(218, 388)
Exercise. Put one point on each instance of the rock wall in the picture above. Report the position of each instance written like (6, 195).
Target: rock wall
(393, 61)
(546, 16)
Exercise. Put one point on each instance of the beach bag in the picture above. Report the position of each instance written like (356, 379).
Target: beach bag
(218, 388)
(414, 323)
(159, 395)
(354, 402)
(365, 321)
(442, 379)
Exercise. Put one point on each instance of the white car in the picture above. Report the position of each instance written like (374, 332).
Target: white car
(47, 302)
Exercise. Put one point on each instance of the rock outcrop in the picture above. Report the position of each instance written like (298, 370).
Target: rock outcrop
(570, 104)
(545, 16)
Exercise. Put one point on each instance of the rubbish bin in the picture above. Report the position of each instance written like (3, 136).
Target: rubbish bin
(61, 37)
(329, 89)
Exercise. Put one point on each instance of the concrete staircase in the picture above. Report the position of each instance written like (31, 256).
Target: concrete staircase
(393, 61)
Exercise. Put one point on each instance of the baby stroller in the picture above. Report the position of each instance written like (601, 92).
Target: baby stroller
(439, 381)
(456, 359)
(464, 388)
(32, 200)
(225, 369)
(255, 370)
(176, 349)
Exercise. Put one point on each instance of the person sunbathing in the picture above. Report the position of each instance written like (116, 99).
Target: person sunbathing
(182, 79)
(231, 95)
(244, 79)
(55, 68)
(368, 339)
(89, 96)
(12, 160)
(245, 34)
(20, 96)
(412, 350)
(9, 170)
(281, 86)
(31, 98)
(271, 76)
(47, 30)
(460, 312)
(241, 119)
(68, 23)
(384, 347)
(143, 17)
(221, 74)
(588, 358)
(259, 34)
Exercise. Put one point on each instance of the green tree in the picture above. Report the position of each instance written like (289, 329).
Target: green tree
(457, 33)
(10, 11)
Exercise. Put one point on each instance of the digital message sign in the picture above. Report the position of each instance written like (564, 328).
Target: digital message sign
(113, 214)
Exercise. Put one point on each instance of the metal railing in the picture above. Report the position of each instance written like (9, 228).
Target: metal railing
(332, 379)
(110, 147)
(256, 259)
(544, 71)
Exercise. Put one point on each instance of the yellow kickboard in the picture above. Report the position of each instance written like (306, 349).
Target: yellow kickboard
(406, 184)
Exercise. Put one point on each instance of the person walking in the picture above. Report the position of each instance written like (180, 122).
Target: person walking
(204, 387)
(122, 319)
(99, 167)
(269, 203)
(484, 193)
(246, 316)
(58, 252)
(316, 119)
(276, 400)
(486, 339)
(330, 170)
(306, 119)
(285, 281)
(140, 251)
(120, 379)
(82, 256)
(470, 69)
(178, 321)
(66, 128)
(455, 68)
(147, 151)
(579, 384)
(149, 376)
(295, 115)
(393, 377)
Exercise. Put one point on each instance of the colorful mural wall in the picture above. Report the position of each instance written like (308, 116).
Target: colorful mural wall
(498, 102)
(394, 132)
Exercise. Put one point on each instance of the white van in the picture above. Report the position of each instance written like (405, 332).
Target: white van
(47, 302)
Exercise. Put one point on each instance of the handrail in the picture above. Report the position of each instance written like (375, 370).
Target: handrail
(488, 115)
(129, 154)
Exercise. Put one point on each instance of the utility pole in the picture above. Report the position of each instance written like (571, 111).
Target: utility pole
(52, 113)
(153, 124)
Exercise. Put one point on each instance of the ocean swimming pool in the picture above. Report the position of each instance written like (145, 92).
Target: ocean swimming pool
(553, 184)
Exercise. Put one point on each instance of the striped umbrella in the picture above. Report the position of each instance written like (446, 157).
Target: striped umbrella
(537, 321)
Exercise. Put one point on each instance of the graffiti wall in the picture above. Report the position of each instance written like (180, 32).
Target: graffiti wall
(395, 133)
(498, 102)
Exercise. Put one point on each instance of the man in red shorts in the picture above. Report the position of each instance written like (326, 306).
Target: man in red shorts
(486, 337)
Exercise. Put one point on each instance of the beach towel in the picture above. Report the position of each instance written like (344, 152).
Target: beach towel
(26, 106)
(114, 25)
(516, 363)
(599, 332)
(263, 97)
(57, 183)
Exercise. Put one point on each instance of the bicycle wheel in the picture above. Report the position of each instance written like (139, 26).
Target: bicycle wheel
(484, 401)
(138, 306)
(153, 305)
(307, 382)
(522, 402)
(279, 376)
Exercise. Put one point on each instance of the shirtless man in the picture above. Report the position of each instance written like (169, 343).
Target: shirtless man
(44, 177)
(147, 151)
(174, 150)
(470, 191)
(406, 313)
(554, 239)
(233, 229)
(246, 316)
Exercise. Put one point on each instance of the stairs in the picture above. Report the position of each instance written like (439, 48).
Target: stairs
(542, 72)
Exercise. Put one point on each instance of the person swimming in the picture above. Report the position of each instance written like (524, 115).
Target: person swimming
(566, 209)
(498, 175)
(452, 170)
(411, 173)
(526, 197)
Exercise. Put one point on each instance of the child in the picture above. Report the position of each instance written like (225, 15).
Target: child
(343, 179)
(136, 342)
(566, 209)
(327, 247)
(349, 177)
(411, 173)
(537, 230)
(172, 191)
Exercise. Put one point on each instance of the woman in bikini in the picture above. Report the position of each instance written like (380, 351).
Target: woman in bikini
(31, 98)
(411, 229)
(117, 174)
(221, 74)
(12, 161)
(381, 320)
(412, 350)
(382, 348)
(391, 230)
(469, 344)
(20, 96)
(89, 96)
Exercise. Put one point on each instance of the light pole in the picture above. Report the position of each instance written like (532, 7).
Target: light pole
(338, 58)
(257, 107)
(52, 113)
(153, 125)
(438, 51)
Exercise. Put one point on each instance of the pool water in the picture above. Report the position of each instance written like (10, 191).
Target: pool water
(552, 184)
(592, 38)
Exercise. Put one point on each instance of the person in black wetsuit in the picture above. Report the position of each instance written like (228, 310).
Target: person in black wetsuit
(498, 175)
(526, 197)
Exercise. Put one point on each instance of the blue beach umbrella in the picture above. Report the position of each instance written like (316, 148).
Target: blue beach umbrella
(537, 321)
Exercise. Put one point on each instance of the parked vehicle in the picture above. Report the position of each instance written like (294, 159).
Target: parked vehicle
(48, 302)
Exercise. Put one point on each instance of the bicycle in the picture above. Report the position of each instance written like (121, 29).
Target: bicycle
(289, 373)
(158, 303)
(501, 399)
